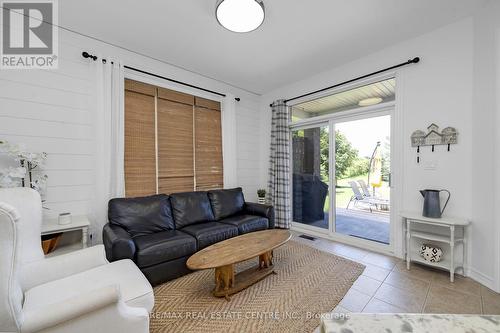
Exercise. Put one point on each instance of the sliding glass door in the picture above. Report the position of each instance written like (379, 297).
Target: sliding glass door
(310, 185)
(362, 174)
(341, 176)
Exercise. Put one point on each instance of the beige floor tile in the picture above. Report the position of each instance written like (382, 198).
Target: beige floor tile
(461, 284)
(417, 271)
(407, 282)
(375, 272)
(340, 309)
(444, 300)
(491, 301)
(377, 306)
(347, 251)
(408, 300)
(366, 285)
(380, 260)
(354, 300)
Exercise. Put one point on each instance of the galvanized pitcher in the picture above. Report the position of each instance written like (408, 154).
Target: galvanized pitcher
(432, 205)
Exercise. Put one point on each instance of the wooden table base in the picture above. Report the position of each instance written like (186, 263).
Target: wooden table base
(227, 283)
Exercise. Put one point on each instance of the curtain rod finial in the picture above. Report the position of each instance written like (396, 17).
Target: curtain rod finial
(414, 60)
(86, 55)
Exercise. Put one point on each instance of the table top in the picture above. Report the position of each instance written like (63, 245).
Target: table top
(51, 225)
(430, 323)
(449, 220)
(238, 249)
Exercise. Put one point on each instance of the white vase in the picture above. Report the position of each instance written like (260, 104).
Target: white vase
(261, 200)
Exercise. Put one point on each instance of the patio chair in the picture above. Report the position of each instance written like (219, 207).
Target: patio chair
(359, 197)
(374, 199)
(364, 188)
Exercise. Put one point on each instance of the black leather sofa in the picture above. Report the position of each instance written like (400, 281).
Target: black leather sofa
(160, 232)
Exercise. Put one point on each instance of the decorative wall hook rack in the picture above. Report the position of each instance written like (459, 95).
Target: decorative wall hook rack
(433, 137)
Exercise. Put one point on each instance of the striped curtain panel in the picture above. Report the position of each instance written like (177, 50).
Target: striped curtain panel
(279, 165)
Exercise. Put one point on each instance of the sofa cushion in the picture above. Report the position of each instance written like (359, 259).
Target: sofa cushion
(142, 215)
(226, 202)
(247, 223)
(135, 290)
(210, 233)
(190, 208)
(163, 246)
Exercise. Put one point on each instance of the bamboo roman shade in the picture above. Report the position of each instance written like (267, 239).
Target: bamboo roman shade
(140, 141)
(183, 138)
(208, 144)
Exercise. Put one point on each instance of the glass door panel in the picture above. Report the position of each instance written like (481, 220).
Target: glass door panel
(362, 173)
(310, 165)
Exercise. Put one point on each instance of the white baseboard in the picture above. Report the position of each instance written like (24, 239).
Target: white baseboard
(483, 279)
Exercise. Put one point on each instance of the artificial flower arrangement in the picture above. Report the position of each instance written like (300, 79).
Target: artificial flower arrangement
(24, 174)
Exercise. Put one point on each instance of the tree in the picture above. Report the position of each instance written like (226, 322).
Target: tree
(345, 155)
(386, 158)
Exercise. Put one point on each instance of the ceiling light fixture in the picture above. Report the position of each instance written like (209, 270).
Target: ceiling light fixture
(240, 15)
(370, 101)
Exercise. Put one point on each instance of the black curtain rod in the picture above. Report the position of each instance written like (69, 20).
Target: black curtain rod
(93, 57)
(411, 61)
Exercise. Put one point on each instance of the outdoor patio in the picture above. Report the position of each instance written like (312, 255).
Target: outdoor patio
(360, 223)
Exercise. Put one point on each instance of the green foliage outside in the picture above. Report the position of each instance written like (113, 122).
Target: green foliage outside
(347, 163)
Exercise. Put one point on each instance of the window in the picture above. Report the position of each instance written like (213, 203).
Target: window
(367, 95)
(173, 141)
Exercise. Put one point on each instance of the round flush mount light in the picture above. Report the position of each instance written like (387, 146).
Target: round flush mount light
(240, 15)
(370, 101)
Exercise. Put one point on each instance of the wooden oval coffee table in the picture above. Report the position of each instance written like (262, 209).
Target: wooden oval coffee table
(224, 255)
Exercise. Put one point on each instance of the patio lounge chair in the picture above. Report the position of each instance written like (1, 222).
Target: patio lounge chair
(364, 188)
(377, 200)
(359, 197)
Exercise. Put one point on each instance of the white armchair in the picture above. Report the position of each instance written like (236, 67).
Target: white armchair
(77, 292)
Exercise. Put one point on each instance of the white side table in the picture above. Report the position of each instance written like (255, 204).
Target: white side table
(454, 233)
(51, 226)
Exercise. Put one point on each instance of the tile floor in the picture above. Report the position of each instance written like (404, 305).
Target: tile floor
(386, 286)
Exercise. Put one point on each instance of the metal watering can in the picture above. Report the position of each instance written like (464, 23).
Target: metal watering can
(432, 205)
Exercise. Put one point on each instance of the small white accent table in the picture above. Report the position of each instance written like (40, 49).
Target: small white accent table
(51, 226)
(447, 232)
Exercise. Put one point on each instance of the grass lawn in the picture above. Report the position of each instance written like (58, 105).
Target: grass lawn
(344, 191)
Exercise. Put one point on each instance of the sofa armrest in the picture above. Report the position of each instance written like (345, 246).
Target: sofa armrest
(261, 210)
(101, 309)
(58, 267)
(118, 243)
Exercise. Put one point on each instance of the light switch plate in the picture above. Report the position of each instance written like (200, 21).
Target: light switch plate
(430, 165)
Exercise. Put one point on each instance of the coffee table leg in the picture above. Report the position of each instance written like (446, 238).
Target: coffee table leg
(224, 278)
(266, 259)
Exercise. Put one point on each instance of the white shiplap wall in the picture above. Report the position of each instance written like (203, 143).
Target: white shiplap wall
(248, 148)
(53, 111)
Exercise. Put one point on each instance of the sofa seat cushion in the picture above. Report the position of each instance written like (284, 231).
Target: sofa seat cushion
(135, 289)
(226, 202)
(210, 233)
(190, 208)
(142, 215)
(163, 246)
(247, 223)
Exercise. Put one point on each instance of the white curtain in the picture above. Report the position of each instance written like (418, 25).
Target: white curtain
(109, 141)
(228, 119)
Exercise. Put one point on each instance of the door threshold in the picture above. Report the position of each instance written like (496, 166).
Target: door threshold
(347, 240)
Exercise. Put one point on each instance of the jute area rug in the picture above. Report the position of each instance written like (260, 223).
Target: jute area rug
(308, 283)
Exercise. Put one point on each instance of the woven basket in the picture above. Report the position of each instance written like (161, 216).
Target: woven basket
(49, 242)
